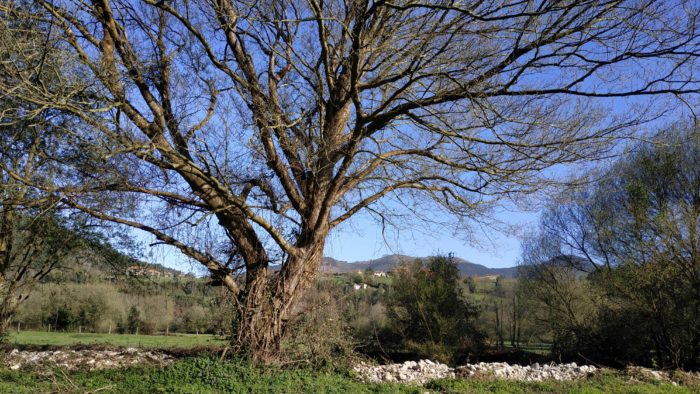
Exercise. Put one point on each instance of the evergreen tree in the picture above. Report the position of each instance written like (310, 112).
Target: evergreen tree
(429, 311)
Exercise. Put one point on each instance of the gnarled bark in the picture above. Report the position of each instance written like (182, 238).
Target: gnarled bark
(268, 302)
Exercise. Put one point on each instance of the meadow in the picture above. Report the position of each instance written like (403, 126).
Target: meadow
(182, 341)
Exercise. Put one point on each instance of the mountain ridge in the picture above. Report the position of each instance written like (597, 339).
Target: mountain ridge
(388, 262)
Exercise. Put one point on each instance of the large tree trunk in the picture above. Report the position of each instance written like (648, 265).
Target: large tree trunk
(268, 301)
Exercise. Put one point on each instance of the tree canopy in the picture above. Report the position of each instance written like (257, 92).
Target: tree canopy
(636, 234)
(428, 310)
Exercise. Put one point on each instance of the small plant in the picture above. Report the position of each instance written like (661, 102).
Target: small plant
(133, 320)
(319, 336)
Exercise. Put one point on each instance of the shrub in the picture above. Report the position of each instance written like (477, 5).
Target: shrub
(429, 313)
(319, 335)
(133, 320)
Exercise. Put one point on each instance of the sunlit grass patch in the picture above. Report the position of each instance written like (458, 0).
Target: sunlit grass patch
(40, 338)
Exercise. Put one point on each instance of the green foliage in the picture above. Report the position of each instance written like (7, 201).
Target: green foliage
(652, 215)
(654, 318)
(429, 312)
(565, 306)
(62, 319)
(635, 236)
(133, 320)
(103, 306)
(471, 285)
(64, 307)
(357, 278)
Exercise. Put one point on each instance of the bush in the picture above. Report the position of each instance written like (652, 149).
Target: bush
(133, 320)
(429, 313)
(319, 335)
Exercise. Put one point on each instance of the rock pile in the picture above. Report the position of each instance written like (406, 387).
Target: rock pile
(411, 371)
(83, 359)
(527, 373)
(425, 370)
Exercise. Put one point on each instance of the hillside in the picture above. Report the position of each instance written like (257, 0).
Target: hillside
(97, 261)
(387, 263)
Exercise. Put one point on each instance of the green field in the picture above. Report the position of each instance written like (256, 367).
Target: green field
(41, 338)
(206, 375)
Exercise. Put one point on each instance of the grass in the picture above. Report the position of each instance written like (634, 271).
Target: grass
(198, 375)
(206, 375)
(610, 383)
(41, 338)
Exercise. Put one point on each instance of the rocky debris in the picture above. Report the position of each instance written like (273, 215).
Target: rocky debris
(411, 372)
(526, 373)
(650, 375)
(85, 359)
(425, 370)
(647, 374)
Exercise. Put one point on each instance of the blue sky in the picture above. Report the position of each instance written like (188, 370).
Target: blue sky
(363, 240)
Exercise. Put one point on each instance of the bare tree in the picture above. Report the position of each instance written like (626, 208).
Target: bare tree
(33, 241)
(253, 129)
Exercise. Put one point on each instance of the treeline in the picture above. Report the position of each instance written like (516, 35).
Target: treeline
(423, 309)
(130, 306)
(92, 289)
(615, 267)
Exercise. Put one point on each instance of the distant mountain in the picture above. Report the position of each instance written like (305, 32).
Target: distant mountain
(575, 263)
(387, 263)
(579, 266)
